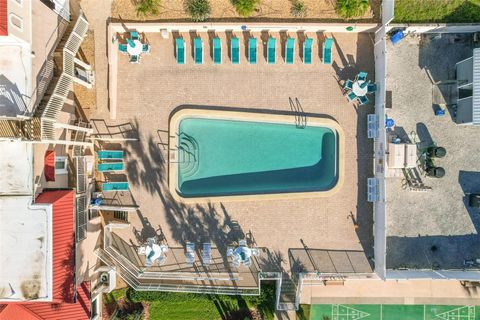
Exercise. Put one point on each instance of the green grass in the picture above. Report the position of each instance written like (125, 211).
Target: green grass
(190, 306)
(303, 312)
(447, 11)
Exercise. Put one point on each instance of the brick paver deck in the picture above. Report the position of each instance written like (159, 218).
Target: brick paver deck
(148, 92)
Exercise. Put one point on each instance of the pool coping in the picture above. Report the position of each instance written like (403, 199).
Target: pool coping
(174, 122)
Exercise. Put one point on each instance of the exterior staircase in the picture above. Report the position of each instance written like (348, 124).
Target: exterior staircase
(288, 294)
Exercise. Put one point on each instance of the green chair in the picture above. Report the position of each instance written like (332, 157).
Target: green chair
(217, 50)
(307, 51)
(134, 35)
(289, 50)
(180, 50)
(122, 48)
(198, 50)
(327, 51)
(252, 50)
(110, 154)
(115, 186)
(271, 50)
(110, 166)
(235, 50)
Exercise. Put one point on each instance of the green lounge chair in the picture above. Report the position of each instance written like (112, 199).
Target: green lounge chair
(110, 154)
(327, 51)
(289, 51)
(122, 48)
(271, 50)
(307, 51)
(110, 166)
(217, 50)
(235, 50)
(115, 186)
(198, 50)
(180, 46)
(252, 50)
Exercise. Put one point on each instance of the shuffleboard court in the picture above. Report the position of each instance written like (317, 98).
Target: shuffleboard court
(393, 312)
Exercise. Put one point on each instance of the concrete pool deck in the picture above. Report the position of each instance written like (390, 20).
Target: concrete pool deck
(150, 91)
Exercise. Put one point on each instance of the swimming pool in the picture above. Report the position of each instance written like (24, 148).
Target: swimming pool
(232, 154)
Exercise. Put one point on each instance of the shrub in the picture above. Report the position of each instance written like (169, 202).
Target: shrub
(199, 10)
(298, 9)
(146, 7)
(245, 8)
(352, 8)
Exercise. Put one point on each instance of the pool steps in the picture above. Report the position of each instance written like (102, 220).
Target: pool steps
(188, 155)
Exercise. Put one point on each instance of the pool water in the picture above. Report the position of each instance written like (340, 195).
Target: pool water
(230, 157)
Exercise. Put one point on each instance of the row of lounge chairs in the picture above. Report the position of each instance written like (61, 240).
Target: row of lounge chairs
(198, 51)
(190, 255)
(111, 161)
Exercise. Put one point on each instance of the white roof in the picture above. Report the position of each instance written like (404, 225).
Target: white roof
(25, 249)
(16, 168)
(15, 79)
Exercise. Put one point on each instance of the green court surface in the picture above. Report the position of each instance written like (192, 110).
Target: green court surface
(392, 312)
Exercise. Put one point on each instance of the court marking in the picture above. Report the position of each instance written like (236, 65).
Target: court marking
(461, 313)
(341, 312)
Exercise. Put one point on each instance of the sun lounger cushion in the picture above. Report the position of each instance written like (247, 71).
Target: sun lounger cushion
(115, 186)
(198, 50)
(110, 154)
(110, 166)
(235, 47)
(327, 51)
(180, 43)
(271, 50)
(217, 51)
(289, 50)
(307, 51)
(252, 50)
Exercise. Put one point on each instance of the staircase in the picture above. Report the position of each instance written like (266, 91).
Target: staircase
(188, 155)
(60, 86)
(288, 294)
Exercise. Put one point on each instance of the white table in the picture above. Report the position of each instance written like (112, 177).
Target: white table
(158, 251)
(357, 88)
(243, 252)
(137, 49)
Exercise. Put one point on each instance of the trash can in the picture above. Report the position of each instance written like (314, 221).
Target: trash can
(474, 200)
(435, 172)
(436, 152)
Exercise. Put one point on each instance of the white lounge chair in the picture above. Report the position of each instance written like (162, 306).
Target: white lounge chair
(190, 253)
(207, 253)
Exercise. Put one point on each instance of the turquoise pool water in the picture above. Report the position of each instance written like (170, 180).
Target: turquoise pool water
(227, 157)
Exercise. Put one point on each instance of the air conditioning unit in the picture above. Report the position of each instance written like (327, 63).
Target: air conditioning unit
(104, 278)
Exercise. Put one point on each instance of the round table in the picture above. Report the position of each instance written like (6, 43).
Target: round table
(243, 252)
(154, 252)
(357, 88)
(137, 49)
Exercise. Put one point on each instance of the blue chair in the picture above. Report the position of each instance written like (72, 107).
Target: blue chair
(134, 59)
(348, 85)
(371, 88)
(235, 50)
(122, 48)
(271, 50)
(327, 51)
(290, 51)
(110, 154)
(110, 166)
(307, 51)
(362, 76)
(217, 50)
(362, 100)
(351, 96)
(180, 49)
(134, 35)
(146, 48)
(252, 50)
(198, 50)
(115, 186)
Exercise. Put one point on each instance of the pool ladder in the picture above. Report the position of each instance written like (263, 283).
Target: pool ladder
(188, 155)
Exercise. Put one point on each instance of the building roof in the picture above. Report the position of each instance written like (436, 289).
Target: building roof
(16, 168)
(63, 242)
(476, 87)
(3, 18)
(67, 303)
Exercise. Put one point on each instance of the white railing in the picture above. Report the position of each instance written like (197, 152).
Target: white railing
(65, 81)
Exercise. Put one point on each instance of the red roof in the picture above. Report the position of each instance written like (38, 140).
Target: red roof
(3, 18)
(63, 306)
(49, 165)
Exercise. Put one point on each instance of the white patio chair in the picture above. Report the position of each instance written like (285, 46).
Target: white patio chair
(247, 262)
(242, 243)
(151, 241)
(190, 253)
(142, 250)
(229, 252)
(255, 252)
(207, 253)
(161, 260)
(236, 261)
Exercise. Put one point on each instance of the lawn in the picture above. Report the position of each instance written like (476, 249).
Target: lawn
(448, 11)
(189, 306)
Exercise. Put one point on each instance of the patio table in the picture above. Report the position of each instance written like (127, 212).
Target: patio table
(243, 252)
(136, 49)
(153, 252)
(357, 88)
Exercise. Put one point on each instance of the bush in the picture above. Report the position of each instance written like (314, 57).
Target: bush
(146, 7)
(298, 9)
(199, 10)
(352, 8)
(245, 8)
